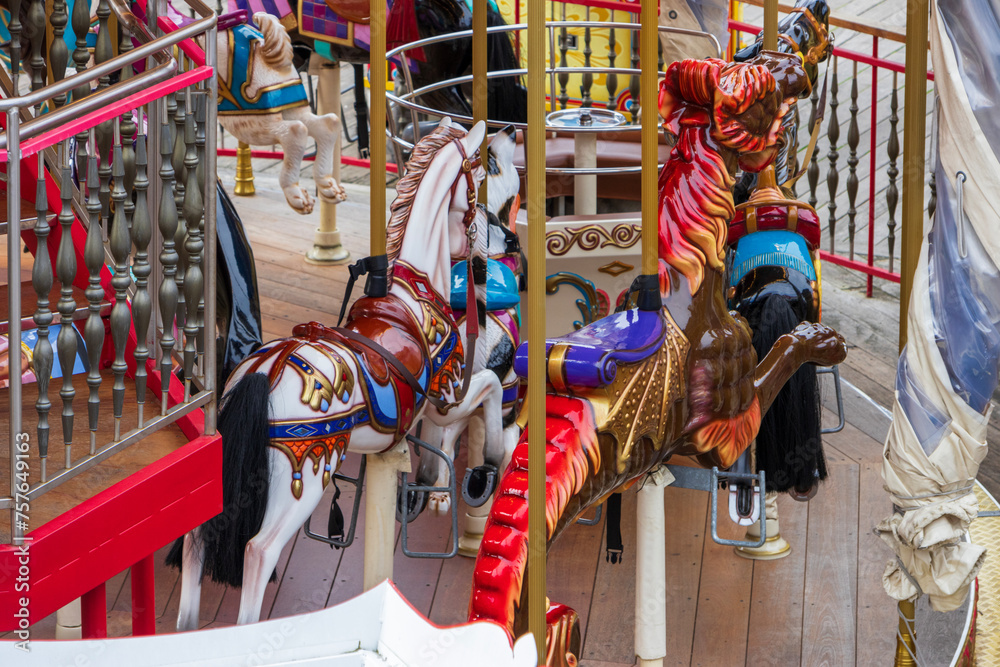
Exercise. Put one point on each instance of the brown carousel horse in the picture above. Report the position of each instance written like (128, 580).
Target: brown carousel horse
(629, 391)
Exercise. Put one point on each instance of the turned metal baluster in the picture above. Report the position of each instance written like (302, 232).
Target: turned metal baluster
(611, 81)
(128, 132)
(41, 280)
(200, 139)
(93, 256)
(15, 29)
(103, 52)
(35, 29)
(563, 76)
(193, 279)
(892, 192)
(66, 344)
(120, 244)
(633, 82)
(58, 51)
(168, 260)
(587, 80)
(812, 174)
(180, 179)
(853, 137)
(142, 304)
(833, 134)
(81, 57)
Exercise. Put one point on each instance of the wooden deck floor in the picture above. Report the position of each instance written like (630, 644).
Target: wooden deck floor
(822, 605)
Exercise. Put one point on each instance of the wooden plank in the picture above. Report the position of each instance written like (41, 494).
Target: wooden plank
(575, 557)
(610, 636)
(686, 512)
(829, 626)
(848, 22)
(775, 635)
(876, 624)
(722, 621)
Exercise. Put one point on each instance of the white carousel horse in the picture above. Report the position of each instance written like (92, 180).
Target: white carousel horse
(262, 102)
(497, 297)
(296, 405)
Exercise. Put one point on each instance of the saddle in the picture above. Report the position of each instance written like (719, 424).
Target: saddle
(385, 321)
(501, 286)
(355, 11)
(590, 357)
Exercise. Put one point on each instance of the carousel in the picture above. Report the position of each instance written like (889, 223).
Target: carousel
(573, 375)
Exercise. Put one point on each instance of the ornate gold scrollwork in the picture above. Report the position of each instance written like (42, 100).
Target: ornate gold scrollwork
(590, 237)
(316, 387)
(593, 306)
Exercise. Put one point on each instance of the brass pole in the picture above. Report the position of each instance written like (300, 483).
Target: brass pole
(771, 25)
(536, 323)
(244, 172)
(377, 74)
(650, 145)
(479, 82)
(914, 133)
(906, 639)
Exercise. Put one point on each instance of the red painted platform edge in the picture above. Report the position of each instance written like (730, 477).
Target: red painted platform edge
(91, 543)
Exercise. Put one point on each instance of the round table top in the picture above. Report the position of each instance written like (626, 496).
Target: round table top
(585, 117)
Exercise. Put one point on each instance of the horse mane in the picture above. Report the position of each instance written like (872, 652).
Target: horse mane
(696, 205)
(406, 188)
(277, 48)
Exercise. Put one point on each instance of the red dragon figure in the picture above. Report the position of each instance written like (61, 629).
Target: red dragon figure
(630, 391)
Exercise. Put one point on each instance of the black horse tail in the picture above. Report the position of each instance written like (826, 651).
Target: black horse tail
(243, 424)
(789, 445)
(508, 98)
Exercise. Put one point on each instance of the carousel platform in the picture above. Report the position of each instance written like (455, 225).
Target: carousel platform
(822, 605)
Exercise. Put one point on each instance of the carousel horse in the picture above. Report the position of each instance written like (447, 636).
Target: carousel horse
(677, 376)
(262, 102)
(773, 273)
(296, 405)
(497, 290)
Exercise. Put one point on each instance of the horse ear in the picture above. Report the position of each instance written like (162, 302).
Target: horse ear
(474, 139)
(502, 145)
(445, 122)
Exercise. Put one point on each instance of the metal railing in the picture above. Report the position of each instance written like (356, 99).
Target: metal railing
(134, 231)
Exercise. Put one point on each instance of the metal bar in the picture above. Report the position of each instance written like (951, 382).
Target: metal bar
(871, 170)
(464, 34)
(211, 273)
(94, 613)
(377, 73)
(480, 109)
(914, 134)
(14, 314)
(143, 598)
(103, 454)
(278, 155)
(78, 314)
(770, 25)
(535, 160)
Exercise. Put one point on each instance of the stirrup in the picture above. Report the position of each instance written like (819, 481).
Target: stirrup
(406, 489)
(358, 484)
(708, 480)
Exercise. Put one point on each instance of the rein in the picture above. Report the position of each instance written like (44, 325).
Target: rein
(379, 263)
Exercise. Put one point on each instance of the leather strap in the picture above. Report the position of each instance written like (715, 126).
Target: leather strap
(359, 268)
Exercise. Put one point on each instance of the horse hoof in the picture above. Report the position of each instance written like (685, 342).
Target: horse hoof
(479, 484)
(300, 200)
(415, 503)
(439, 503)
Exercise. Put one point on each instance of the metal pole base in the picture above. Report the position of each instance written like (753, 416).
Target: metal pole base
(468, 543)
(327, 249)
(244, 172)
(775, 546)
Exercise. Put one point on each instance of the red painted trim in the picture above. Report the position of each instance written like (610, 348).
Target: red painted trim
(278, 155)
(740, 26)
(192, 425)
(618, 6)
(840, 260)
(95, 118)
(82, 548)
(94, 612)
(188, 46)
(143, 598)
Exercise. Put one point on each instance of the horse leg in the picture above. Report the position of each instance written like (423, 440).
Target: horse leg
(325, 130)
(293, 135)
(807, 343)
(282, 519)
(191, 571)
(485, 390)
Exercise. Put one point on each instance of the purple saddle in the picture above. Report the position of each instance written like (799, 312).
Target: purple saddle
(590, 357)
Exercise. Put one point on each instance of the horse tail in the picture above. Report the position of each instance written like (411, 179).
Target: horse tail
(572, 458)
(277, 49)
(243, 424)
(789, 445)
(508, 98)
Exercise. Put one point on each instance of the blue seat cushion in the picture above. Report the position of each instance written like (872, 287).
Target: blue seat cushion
(501, 286)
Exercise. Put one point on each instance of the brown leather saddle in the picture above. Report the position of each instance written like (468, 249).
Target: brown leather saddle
(385, 321)
(356, 11)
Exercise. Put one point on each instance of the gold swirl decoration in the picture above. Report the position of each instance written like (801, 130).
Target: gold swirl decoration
(590, 237)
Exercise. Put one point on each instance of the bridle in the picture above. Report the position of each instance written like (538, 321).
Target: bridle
(467, 169)
(471, 311)
(817, 52)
